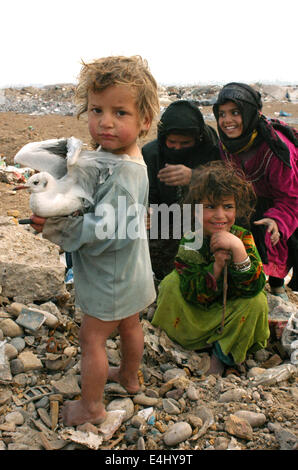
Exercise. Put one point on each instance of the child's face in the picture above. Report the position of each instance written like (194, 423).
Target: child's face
(217, 218)
(230, 120)
(179, 141)
(114, 121)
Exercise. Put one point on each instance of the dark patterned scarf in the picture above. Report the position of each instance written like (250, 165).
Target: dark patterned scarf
(250, 104)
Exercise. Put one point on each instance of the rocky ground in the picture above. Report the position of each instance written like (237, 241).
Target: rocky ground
(179, 408)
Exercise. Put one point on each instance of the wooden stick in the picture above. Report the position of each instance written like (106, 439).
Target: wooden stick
(225, 289)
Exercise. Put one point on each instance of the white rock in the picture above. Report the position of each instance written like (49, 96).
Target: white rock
(30, 361)
(254, 419)
(145, 413)
(15, 417)
(30, 267)
(88, 439)
(125, 404)
(179, 432)
(175, 372)
(70, 351)
(170, 406)
(112, 422)
(192, 393)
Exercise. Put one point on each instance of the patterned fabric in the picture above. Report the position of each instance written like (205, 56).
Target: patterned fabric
(197, 282)
(277, 183)
(196, 327)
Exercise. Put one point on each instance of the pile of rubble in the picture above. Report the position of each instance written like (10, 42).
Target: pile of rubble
(59, 99)
(52, 99)
(178, 407)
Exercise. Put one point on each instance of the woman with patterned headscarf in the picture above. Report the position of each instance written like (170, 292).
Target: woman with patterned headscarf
(266, 150)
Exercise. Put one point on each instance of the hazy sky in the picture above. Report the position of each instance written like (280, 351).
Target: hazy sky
(184, 41)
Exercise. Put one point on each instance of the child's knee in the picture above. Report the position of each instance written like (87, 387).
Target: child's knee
(129, 325)
(258, 304)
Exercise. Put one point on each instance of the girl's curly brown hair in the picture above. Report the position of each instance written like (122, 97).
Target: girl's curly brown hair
(119, 70)
(217, 180)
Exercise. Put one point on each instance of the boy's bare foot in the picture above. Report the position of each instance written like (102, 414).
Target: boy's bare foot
(74, 413)
(216, 366)
(131, 386)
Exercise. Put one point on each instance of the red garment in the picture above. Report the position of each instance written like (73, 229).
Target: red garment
(272, 179)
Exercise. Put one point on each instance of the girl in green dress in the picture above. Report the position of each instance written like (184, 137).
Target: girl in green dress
(190, 301)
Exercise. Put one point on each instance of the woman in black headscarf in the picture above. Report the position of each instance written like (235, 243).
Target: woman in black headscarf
(183, 142)
(266, 150)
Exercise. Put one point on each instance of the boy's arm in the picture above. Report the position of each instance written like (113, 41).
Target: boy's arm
(88, 231)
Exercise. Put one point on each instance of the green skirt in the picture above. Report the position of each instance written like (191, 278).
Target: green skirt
(246, 327)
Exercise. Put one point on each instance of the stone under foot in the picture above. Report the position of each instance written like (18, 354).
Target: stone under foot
(131, 386)
(74, 413)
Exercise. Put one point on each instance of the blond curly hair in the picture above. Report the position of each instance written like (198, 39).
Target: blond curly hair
(119, 70)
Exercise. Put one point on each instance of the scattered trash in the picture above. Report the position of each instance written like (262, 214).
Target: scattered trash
(88, 439)
(276, 375)
(30, 319)
(289, 338)
(5, 374)
(284, 113)
(69, 276)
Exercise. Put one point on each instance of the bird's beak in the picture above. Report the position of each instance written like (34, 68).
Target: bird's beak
(22, 186)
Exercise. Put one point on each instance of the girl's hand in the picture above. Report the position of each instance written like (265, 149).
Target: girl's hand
(272, 228)
(228, 242)
(220, 257)
(224, 241)
(37, 222)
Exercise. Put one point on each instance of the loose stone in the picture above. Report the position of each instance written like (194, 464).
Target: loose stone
(142, 399)
(170, 406)
(18, 343)
(239, 427)
(30, 361)
(172, 373)
(254, 419)
(112, 422)
(141, 444)
(10, 351)
(11, 328)
(179, 432)
(192, 393)
(5, 396)
(15, 417)
(236, 394)
(125, 404)
(44, 416)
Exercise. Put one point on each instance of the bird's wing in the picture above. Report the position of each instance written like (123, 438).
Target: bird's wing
(48, 155)
(88, 168)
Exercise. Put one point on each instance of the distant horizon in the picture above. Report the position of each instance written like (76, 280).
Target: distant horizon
(168, 84)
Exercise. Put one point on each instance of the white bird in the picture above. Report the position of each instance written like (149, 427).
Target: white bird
(68, 175)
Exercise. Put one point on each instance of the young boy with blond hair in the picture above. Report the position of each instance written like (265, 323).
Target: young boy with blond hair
(113, 274)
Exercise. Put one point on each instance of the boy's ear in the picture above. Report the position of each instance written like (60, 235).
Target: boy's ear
(146, 123)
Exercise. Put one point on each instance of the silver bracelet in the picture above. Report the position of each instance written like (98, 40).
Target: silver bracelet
(243, 265)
